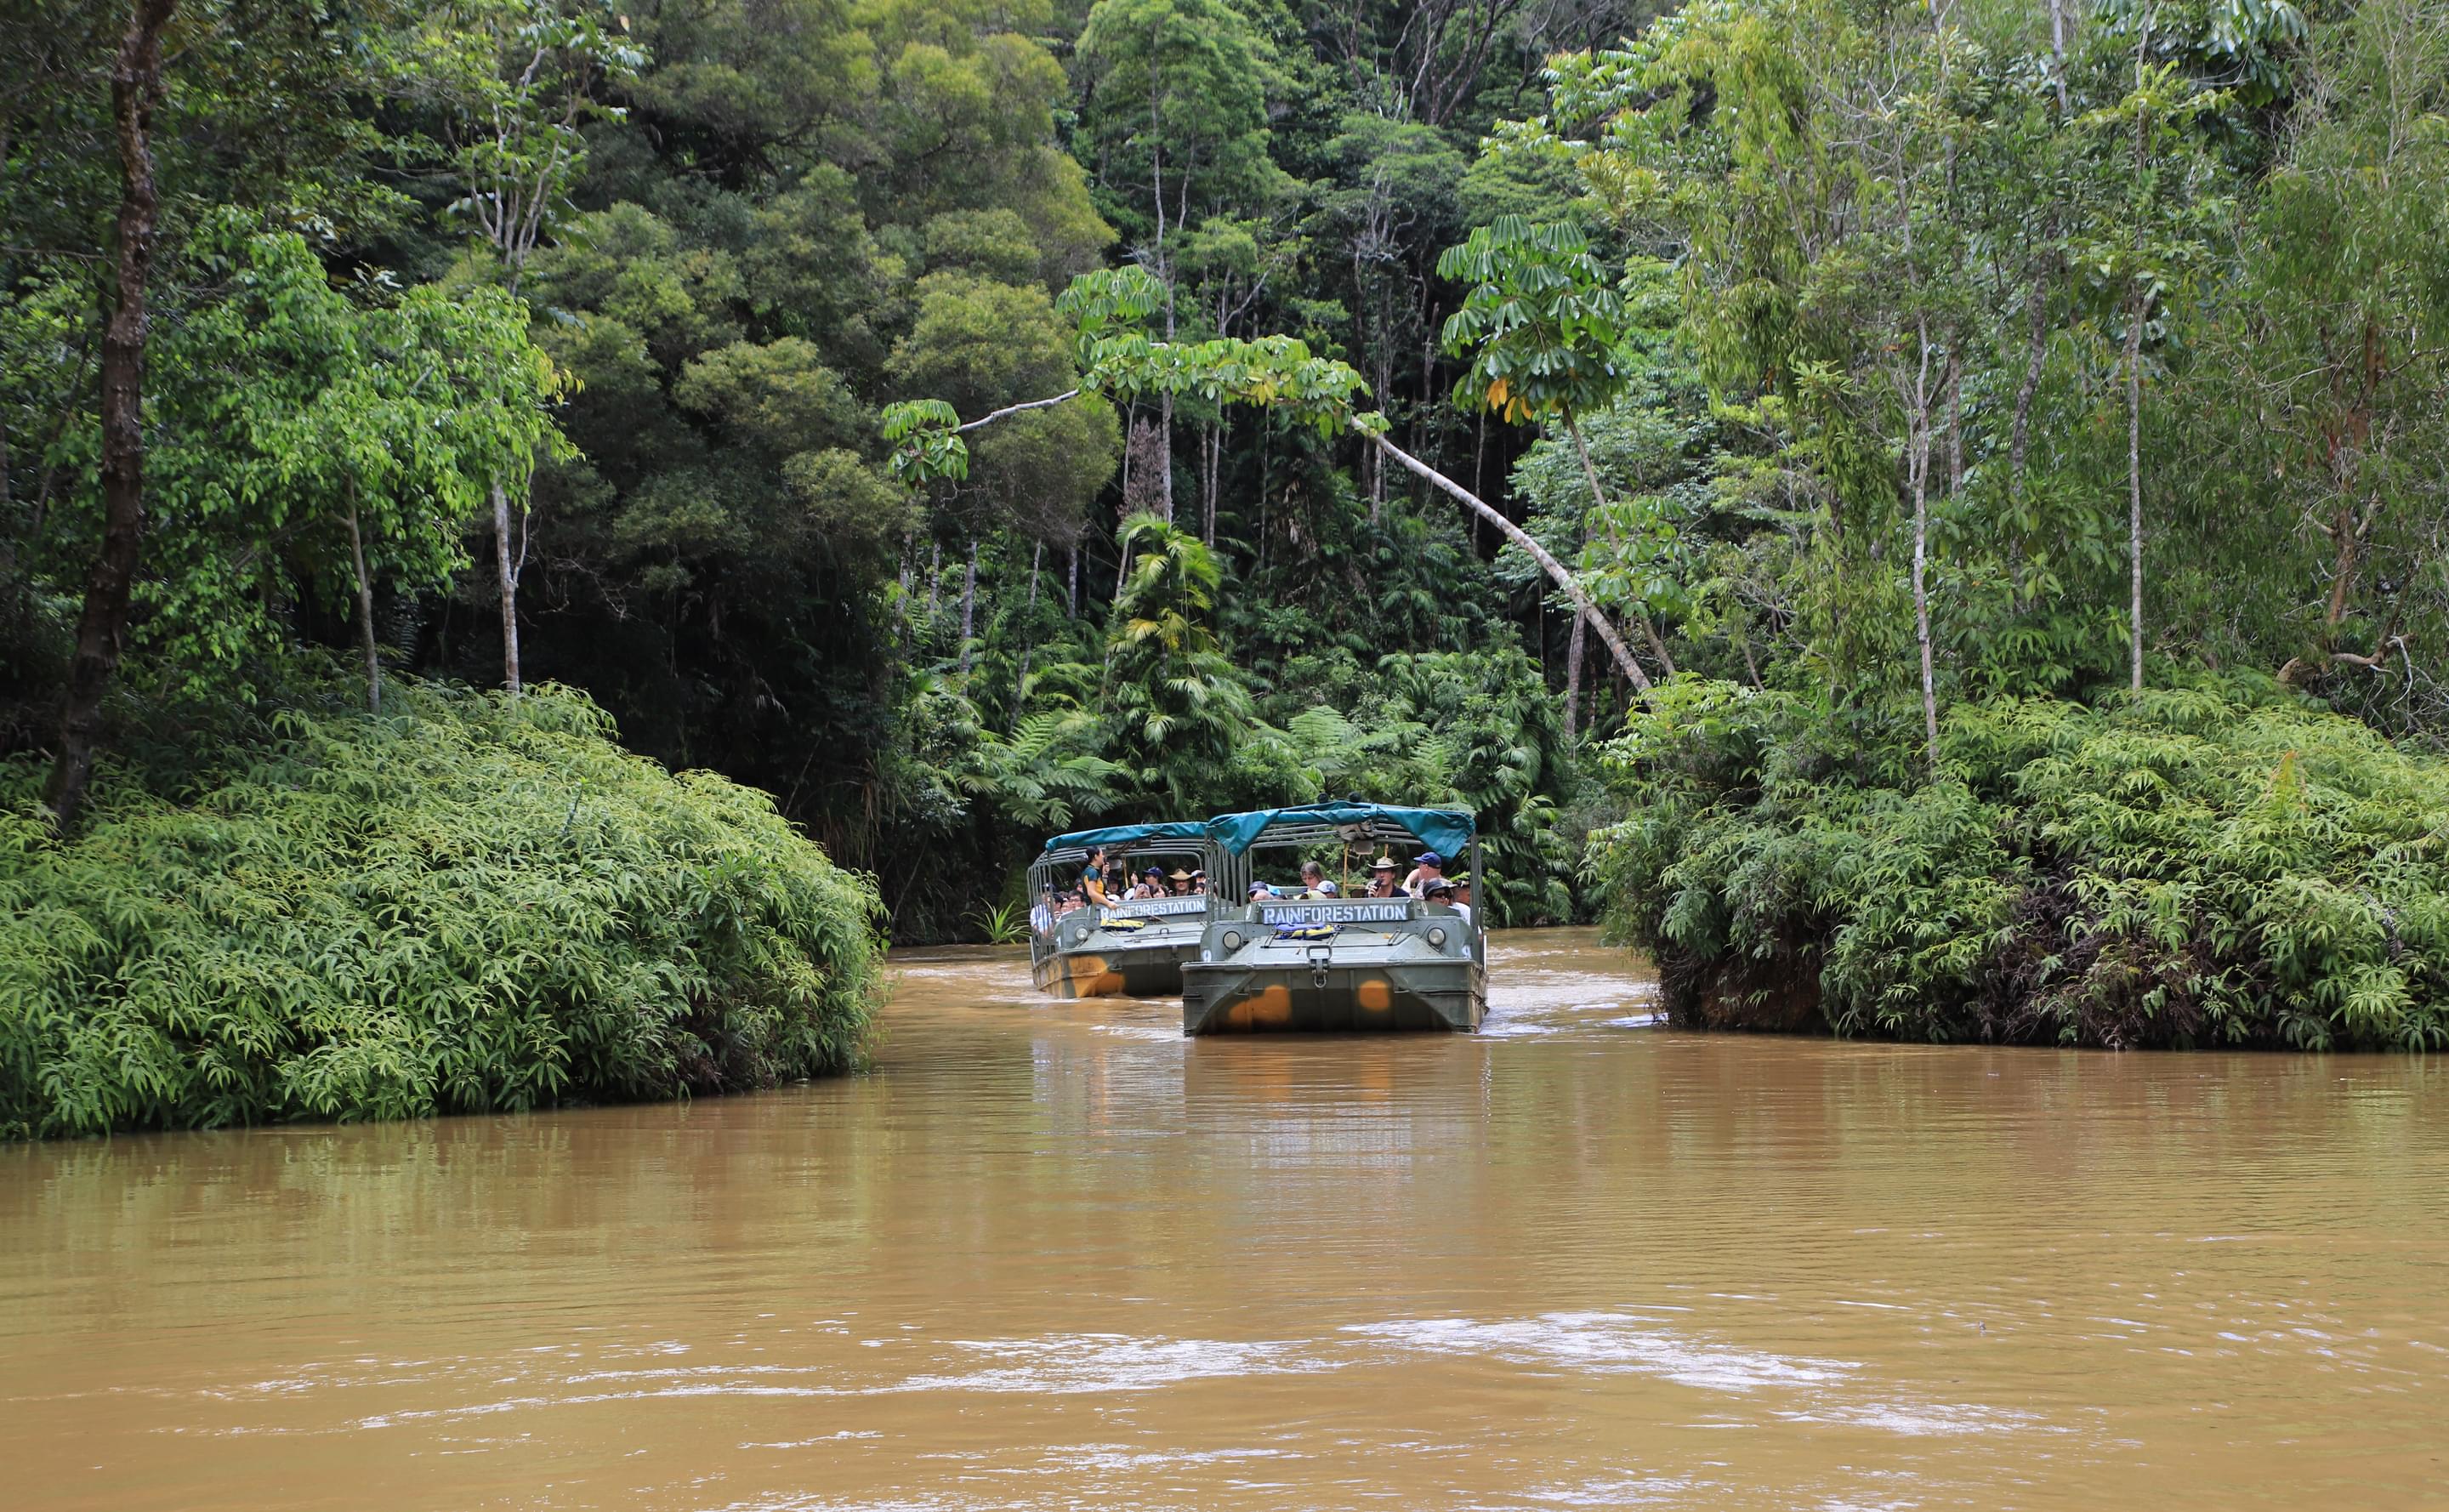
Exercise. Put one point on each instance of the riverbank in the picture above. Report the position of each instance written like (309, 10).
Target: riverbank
(465, 904)
(2209, 866)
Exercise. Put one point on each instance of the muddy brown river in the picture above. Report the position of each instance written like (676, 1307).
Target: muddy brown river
(1052, 1256)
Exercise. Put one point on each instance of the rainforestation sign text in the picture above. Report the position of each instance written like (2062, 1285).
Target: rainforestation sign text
(1334, 913)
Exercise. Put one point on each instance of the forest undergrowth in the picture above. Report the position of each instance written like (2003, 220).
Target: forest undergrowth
(465, 904)
(2201, 867)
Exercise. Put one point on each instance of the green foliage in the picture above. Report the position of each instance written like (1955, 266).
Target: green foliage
(1472, 730)
(1544, 330)
(466, 904)
(281, 408)
(1176, 87)
(1178, 705)
(2202, 867)
(1004, 923)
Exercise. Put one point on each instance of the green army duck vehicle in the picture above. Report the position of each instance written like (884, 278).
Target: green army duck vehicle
(1303, 960)
(1132, 947)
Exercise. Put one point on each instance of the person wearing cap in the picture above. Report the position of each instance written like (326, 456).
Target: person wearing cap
(1198, 883)
(1428, 866)
(1151, 883)
(1259, 890)
(1314, 882)
(1462, 898)
(1438, 890)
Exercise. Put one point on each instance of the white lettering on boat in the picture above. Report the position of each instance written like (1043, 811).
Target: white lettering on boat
(1334, 913)
(1157, 908)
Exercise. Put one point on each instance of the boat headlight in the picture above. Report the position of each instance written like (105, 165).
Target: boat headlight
(1232, 940)
(1080, 935)
(1438, 935)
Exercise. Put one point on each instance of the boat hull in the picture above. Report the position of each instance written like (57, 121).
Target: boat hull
(1140, 969)
(1232, 997)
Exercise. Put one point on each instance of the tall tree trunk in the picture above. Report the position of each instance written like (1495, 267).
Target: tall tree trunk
(2134, 483)
(2057, 50)
(969, 604)
(1917, 467)
(1165, 279)
(2134, 380)
(365, 609)
(935, 580)
(1071, 585)
(102, 628)
(1556, 572)
(1573, 672)
(1027, 624)
(506, 573)
(1165, 447)
(2019, 431)
(1955, 426)
(1215, 478)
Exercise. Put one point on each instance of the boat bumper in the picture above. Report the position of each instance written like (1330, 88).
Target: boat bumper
(1233, 998)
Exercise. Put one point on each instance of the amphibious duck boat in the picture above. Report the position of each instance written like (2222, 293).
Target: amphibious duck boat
(1345, 962)
(1131, 948)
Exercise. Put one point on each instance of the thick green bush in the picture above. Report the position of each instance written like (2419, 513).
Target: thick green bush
(2197, 867)
(464, 905)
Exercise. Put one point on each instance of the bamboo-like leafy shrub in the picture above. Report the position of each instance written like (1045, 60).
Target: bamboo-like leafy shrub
(466, 904)
(2193, 867)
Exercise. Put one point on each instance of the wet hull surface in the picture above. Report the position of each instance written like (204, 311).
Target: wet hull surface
(1054, 1254)
(1150, 970)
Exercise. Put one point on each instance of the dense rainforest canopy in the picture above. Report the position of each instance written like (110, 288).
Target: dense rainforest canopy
(965, 419)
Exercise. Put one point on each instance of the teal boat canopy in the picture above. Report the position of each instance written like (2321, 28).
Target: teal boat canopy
(1447, 831)
(1118, 834)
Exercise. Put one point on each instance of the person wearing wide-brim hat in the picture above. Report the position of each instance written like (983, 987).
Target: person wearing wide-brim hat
(1381, 877)
(1180, 880)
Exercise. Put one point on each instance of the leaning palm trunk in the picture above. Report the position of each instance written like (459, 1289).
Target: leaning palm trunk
(1598, 498)
(1556, 572)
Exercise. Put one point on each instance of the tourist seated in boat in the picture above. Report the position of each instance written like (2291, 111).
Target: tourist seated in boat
(1381, 877)
(1314, 882)
(1452, 896)
(1041, 916)
(1151, 883)
(1180, 880)
(1199, 883)
(1260, 892)
(1462, 898)
(1428, 866)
